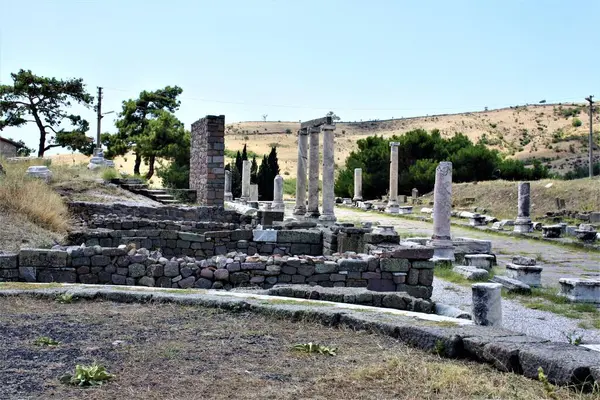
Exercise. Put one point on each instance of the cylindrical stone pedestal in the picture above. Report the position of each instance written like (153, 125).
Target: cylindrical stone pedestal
(328, 174)
(313, 174)
(487, 304)
(300, 208)
(523, 222)
(278, 194)
(357, 184)
(228, 194)
(393, 206)
(442, 210)
(246, 165)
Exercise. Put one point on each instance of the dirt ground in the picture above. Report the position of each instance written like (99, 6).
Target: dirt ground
(17, 232)
(173, 352)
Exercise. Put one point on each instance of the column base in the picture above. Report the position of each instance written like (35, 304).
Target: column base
(442, 248)
(312, 214)
(392, 208)
(355, 199)
(300, 210)
(277, 206)
(228, 197)
(523, 225)
(327, 218)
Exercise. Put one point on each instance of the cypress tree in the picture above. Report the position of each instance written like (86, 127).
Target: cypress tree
(238, 162)
(253, 171)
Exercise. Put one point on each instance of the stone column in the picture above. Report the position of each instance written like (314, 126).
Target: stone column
(228, 194)
(313, 174)
(442, 209)
(328, 174)
(487, 304)
(357, 184)
(393, 206)
(415, 195)
(207, 160)
(246, 165)
(300, 208)
(278, 194)
(523, 222)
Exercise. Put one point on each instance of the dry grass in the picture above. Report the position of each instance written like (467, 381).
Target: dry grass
(504, 128)
(175, 352)
(31, 198)
(500, 197)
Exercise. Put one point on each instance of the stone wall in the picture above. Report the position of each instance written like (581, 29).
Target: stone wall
(403, 270)
(173, 242)
(88, 211)
(207, 160)
(7, 149)
(119, 223)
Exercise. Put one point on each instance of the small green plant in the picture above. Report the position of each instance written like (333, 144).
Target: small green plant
(87, 375)
(316, 348)
(439, 347)
(548, 387)
(574, 338)
(109, 173)
(46, 341)
(576, 122)
(65, 298)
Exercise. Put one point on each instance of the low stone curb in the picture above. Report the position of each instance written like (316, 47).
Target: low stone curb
(563, 364)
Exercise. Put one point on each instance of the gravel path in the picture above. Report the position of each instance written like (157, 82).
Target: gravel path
(517, 317)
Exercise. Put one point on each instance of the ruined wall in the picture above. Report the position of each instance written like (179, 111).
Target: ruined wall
(403, 270)
(207, 160)
(7, 149)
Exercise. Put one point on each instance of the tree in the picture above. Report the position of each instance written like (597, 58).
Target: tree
(273, 162)
(264, 181)
(44, 101)
(244, 153)
(164, 131)
(22, 150)
(333, 116)
(134, 122)
(264, 117)
(176, 174)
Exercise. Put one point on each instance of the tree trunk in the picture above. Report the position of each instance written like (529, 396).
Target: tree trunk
(150, 166)
(136, 166)
(40, 125)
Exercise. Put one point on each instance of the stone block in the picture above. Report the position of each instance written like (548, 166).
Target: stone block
(412, 251)
(426, 277)
(394, 264)
(483, 261)
(579, 290)
(298, 279)
(306, 270)
(237, 278)
(100, 261)
(351, 264)
(512, 285)
(88, 279)
(528, 274)
(327, 267)
(117, 279)
(521, 260)
(421, 264)
(171, 269)
(146, 281)
(381, 285)
(253, 266)
(259, 235)
(300, 248)
(57, 275)
(471, 273)
(188, 282)
(412, 277)
(137, 270)
(221, 274)
(9, 261)
(299, 236)
(28, 274)
(399, 277)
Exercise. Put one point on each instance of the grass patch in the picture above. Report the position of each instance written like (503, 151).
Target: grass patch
(447, 274)
(46, 341)
(548, 299)
(28, 286)
(289, 186)
(33, 198)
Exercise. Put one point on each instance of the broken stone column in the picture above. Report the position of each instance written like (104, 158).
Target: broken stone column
(357, 184)
(246, 165)
(300, 208)
(442, 209)
(228, 194)
(278, 203)
(415, 195)
(523, 222)
(313, 174)
(487, 304)
(392, 206)
(328, 174)
(207, 160)
(253, 192)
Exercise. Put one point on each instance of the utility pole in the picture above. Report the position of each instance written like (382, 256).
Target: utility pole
(591, 138)
(98, 144)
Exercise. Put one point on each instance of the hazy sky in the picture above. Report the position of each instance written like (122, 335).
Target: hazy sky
(296, 60)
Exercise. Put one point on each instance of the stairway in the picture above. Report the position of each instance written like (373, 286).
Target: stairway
(138, 186)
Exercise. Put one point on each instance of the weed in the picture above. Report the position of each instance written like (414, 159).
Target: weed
(46, 341)
(439, 347)
(548, 387)
(109, 173)
(315, 348)
(65, 298)
(574, 338)
(87, 375)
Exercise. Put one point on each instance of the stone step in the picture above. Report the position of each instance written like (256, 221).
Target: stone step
(156, 191)
(471, 273)
(168, 201)
(512, 285)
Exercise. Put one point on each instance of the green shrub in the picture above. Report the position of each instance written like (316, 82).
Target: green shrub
(576, 122)
(109, 173)
(316, 348)
(45, 341)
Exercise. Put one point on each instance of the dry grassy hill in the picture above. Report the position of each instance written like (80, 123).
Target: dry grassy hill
(547, 132)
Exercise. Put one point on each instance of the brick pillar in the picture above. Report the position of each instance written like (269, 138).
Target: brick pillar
(207, 161)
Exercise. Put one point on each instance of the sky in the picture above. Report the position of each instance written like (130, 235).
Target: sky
(297, 60)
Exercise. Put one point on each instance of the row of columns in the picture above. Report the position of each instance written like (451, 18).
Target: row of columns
(308, 155)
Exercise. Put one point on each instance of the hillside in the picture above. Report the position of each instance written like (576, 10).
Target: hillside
(546, 132)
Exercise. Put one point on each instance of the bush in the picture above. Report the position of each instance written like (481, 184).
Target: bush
(109, 174)
(576, 122)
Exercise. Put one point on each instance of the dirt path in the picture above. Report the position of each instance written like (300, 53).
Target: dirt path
(558, 261)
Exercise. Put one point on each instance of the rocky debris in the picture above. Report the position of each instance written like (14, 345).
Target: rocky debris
(512, 285)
